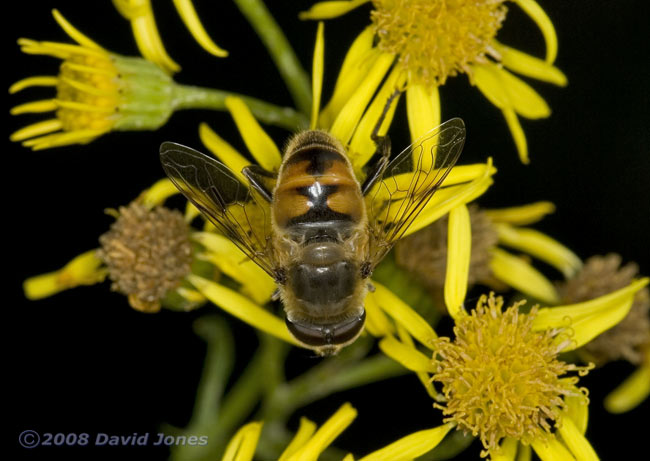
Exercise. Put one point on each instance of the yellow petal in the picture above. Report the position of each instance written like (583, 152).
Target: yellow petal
(348, 457)
(577, 408)
(260, 144)
(376, 321)
(520, 275)
(524, 453)
(243, 444)
(37, 129)
(552, 450)
(590, 318)
(34, 107)
(63, 139)
(326, 434)
(446, 199)
(459, 250)
(507, 451)
(518, 134)
(407, 356)
(73, 32)
(411, 446)
(41, 80)
(520, 215)
(541, 246)
(362, 147)
(358, 60)
(317, 74)
(158, 193)
(424, 377)
(537, 14)
(224, 254)
(523, 99)
(332, 9)
(85, 269)
(423, 113)
(404, 314)
(188, 14)
(631, 393)
(461, 174)
(577, 443)
(149, 43)
(528, 65)
(350, 115)
(228, 155)
(242, 308)
(305, 431)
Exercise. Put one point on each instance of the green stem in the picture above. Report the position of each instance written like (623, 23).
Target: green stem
(333, 375)
(279, 48)
(195, 97)
(216, 370)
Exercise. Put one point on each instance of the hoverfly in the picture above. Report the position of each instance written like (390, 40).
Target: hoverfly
(312, 225)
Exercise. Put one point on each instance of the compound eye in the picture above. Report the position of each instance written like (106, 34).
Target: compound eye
(327, 335)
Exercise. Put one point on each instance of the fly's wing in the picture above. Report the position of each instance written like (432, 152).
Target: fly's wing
(408, 183)
(231, 206)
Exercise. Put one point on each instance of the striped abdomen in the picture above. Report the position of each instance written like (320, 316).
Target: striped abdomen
(317, 192)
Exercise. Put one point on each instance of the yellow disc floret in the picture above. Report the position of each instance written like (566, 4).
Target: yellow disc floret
(436, 39)
(88, 93)
(501, 378)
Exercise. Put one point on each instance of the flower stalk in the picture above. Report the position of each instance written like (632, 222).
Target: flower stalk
(281, 52)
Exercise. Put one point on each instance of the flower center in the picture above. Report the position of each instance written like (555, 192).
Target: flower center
(88, 92)
(501, 378)
(436, 39)
(148, 253)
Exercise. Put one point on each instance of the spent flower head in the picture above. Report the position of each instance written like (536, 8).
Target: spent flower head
(602, 275)
(426, 254)
(148, 253)
(432, 40)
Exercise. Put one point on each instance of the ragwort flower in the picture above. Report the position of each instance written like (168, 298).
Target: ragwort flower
(432, 40)
(140, 15)
(502, 379)
(425, 254)
(97, 92)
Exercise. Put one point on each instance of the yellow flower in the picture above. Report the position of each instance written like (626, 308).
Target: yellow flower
(352, 123)
(310, 441)
(468, 248)
(432, 40)
(501, 377)
(97, 92)
(140, 15)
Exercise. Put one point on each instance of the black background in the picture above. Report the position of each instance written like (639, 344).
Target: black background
(83, 361)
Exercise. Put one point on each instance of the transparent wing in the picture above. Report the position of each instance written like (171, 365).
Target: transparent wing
(408, 183)
(232, 207)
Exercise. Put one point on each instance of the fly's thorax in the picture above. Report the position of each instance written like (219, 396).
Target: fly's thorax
(316, 184)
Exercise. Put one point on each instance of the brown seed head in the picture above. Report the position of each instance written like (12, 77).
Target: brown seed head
(148, 252)
(600, 276)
